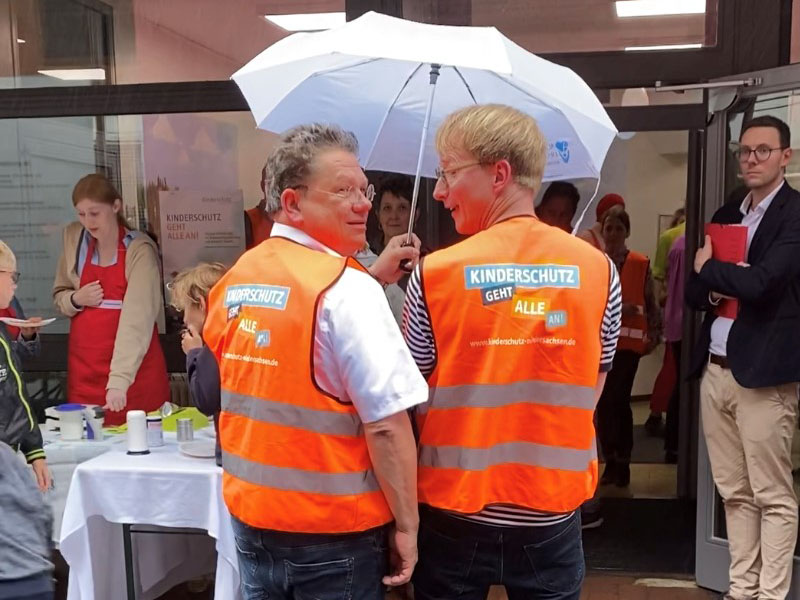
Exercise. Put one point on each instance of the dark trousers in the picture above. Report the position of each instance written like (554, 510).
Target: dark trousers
(36, 587)
(673, 409)
(614, 414)
(279, 565)
(460, 558)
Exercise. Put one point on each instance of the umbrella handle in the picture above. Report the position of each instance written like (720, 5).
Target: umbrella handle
(406, 264)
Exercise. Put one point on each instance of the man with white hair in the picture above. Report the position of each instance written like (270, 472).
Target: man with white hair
(514, 328)
(317, 448)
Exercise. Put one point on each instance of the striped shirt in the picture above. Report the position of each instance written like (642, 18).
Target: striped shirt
(419, 337)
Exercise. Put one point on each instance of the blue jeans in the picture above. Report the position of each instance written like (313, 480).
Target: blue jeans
(275, 564)
(460, 558)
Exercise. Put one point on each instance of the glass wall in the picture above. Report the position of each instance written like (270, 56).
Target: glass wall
(162, 165)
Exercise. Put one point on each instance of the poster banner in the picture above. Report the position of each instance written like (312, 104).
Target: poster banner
(199, 225)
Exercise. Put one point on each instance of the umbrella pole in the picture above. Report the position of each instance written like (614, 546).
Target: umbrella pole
(434, 76)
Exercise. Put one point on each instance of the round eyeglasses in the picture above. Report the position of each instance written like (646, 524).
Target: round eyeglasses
(743, 153)
(353, 194)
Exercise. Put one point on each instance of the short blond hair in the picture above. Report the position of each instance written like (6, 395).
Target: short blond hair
(194, 283)
(7, 258)
(493, 132)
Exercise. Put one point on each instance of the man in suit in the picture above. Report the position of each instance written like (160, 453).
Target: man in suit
(750, 365)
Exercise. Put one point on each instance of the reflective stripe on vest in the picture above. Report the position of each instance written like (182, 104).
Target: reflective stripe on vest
(523, 453)
(295, 459)
(484, 395)
(511, 422)
(292, 415)
(636, 334)
(633, 280)
(298, 480)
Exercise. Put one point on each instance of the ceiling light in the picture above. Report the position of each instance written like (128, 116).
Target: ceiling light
(75, 74)
(308, 21)
(20, 41)
(655, 8)
(664, 47)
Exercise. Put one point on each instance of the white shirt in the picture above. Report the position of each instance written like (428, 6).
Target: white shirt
(393, 292)
(359, 353)
(721, 327)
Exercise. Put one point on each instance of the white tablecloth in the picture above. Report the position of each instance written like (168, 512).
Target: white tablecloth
(163, 488)
(63, 458)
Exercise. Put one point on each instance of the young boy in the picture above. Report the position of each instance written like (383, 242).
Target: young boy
(189, 294)
(25, 568)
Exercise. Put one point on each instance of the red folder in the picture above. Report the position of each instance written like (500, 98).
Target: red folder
(729, 245)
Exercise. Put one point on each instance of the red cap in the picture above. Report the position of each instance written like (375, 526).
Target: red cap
(607, 202)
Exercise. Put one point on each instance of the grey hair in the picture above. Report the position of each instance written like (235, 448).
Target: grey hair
(289, 165)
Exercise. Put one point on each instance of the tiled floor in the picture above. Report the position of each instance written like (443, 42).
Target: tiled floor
(613, 587)
(647, 480)
(660, 480)
(595, 587)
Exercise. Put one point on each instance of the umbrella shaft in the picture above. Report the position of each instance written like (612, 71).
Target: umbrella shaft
(425, 125)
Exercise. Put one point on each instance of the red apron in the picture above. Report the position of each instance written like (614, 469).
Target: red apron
(13, 332)
(91, 345)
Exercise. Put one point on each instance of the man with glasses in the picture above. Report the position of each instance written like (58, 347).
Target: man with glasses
(750, 365)
(317, 448)
(515, 328)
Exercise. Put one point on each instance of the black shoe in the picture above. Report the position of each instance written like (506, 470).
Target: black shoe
(654, 426)
(609, 473)
(670, 457)
(591, 519)
(623, 475)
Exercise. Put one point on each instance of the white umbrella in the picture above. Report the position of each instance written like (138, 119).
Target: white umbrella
(373, 77)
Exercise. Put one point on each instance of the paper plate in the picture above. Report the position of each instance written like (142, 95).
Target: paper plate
(198, 448)
(25, 322)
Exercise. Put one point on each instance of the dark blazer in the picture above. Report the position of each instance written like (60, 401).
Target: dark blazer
(764, 343)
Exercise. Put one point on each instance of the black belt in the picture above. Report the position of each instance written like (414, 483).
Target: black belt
(721, 361)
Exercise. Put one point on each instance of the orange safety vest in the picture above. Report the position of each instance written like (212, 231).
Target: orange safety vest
(632, 334)
(260, 224)
(295, 459)
(516, 312)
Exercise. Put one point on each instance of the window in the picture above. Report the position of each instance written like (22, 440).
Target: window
(162, 164)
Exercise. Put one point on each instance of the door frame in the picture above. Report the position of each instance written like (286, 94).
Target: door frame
(712, 558)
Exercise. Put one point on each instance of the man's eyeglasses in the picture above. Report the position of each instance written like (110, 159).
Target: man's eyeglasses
(353, 194)
(743, 153)
(446, 174)
(15, 275)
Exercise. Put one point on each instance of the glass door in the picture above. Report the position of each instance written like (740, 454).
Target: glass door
(774, 92)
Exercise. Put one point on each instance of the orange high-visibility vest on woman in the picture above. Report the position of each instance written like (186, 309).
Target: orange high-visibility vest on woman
(260, 225)
(632, 334)
(295, 459)
(516, 312)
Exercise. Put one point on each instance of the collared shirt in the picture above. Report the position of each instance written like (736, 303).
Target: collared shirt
(393, 292)
(721, 327)
(359, 353)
